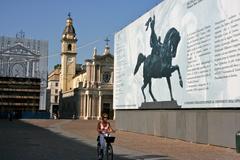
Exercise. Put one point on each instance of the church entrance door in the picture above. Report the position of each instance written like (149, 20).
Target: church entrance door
(107, 109)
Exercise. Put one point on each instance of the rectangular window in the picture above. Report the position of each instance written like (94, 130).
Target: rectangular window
(56, 91)
(56, 84)
(56, 99)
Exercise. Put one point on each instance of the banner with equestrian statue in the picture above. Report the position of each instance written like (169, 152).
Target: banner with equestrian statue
(181, 51)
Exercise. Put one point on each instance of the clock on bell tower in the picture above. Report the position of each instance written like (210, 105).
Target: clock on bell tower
(68, 55)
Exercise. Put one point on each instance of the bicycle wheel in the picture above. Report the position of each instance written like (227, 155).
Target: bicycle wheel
(109, 151)
(99, 152)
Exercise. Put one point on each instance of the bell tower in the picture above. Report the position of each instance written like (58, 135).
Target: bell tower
(68, 55)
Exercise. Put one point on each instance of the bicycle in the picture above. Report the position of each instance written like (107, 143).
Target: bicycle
(108, 155)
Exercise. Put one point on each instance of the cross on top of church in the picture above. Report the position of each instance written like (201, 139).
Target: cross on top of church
(69, 14)
(20, 35)
(107, 40)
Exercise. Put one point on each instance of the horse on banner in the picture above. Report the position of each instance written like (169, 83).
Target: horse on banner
(159, 63)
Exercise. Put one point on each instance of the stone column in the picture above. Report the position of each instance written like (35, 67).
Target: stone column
(27, 69)
(87, 99)
(100, 105)
(84, 107)
(99, 75)
(90, 106)
(33, 69)
(37, 70)
(93, 107)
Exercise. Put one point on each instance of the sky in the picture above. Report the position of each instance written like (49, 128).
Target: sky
(93, 20)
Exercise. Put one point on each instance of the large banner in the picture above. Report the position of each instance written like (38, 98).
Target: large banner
(186, 51)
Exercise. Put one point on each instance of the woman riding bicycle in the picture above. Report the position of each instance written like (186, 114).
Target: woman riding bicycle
(103, 128)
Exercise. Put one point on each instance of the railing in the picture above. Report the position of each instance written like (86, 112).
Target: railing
(22, 83)
(19, 97)
(18, 104)
(21, 90)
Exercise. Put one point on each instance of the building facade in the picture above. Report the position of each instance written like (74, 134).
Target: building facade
(97, 89)
(25, 58)
(86, 90)
(53, 88)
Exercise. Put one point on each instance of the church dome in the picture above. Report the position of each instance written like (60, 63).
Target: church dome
(69, 31)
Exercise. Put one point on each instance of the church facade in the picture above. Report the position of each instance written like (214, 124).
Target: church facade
(25, 58)
(86, 90)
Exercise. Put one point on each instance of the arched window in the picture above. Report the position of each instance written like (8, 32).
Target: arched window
(69, 47)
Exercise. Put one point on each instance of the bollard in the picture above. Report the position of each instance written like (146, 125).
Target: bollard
(238, 142)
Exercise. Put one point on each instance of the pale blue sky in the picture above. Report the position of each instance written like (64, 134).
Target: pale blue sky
(93, 20)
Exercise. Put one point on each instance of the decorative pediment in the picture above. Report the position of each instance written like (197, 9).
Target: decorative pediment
(107, 59)
(19, 50)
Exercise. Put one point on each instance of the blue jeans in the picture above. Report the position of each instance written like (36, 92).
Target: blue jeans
(102, 141)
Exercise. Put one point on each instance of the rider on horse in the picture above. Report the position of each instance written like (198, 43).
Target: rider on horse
(156, 45)
(155, 42)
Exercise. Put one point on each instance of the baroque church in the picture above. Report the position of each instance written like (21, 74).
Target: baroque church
(85, 90)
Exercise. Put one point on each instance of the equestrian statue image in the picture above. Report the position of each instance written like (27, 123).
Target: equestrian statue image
(159, 63)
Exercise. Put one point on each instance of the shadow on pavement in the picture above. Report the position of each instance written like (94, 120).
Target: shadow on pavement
(23, 141)
(153, 157)
(147, 157)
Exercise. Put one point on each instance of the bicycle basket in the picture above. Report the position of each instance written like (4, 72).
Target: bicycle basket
(109, 139)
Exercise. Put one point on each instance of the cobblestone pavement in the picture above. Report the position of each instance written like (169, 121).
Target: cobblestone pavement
(138, 146)
(24, 141)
